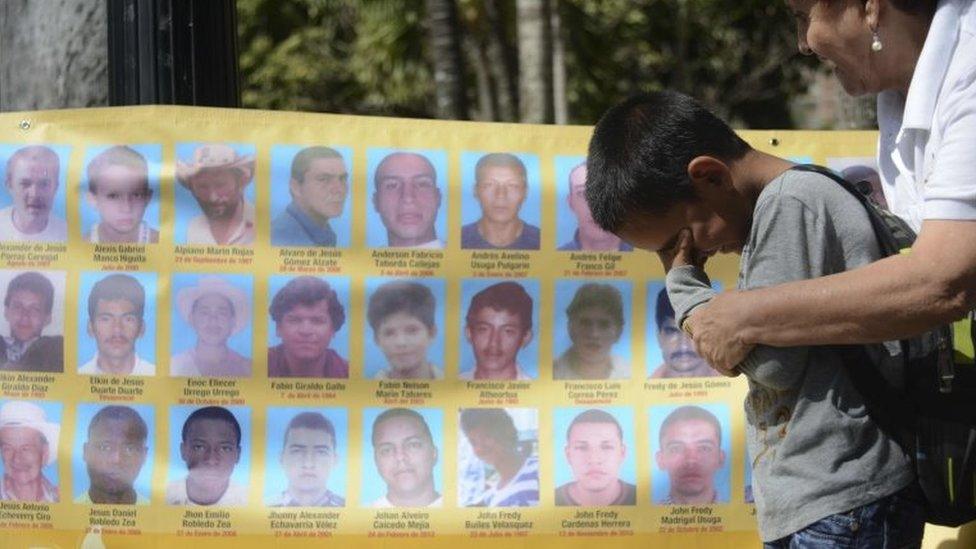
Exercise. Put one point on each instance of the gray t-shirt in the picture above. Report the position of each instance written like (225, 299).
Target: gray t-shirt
(813, 449)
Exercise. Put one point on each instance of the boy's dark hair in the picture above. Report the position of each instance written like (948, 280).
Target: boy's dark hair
(212, 412)
(311, 420)
(506, 296)
(640, 151)
(307, 290)
(117, 286)
(32, 282)
(412, 298)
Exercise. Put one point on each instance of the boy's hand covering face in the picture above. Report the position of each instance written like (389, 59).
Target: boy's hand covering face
(682, 253)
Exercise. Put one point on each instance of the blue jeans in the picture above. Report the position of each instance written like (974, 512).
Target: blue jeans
(893, 522)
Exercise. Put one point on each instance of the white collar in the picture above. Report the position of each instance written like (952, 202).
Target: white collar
(933, 63)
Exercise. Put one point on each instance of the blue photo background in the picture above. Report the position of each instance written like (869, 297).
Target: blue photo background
(281, 159)
(154, 160)
(531, 210)
(177, 467)
(660, 483)
(184, 337)
(565, 290)
(275, 481)
(375, 230)
(562, 417)
(654, 357)
(565, 218)
(373, 485)
(375, 359)
(186, 205)
(86, 411)
(340, 338)
(63, 152)
(145, 345)
(528, 357)
(52, 412)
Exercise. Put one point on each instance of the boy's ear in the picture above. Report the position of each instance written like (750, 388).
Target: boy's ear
(708, 173)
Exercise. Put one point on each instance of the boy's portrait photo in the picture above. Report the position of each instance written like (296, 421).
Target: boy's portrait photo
(209, 456)
(405, 328)
(117, 325)
(120, 190)
(498, 457)
(305, 465)
(500, 321)
(211, 325)
(32, 325)
(500, 205)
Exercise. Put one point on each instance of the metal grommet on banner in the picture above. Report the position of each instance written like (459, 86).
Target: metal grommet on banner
(774, 141)
(25, 124)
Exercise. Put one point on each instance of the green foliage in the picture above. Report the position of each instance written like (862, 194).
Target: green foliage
(373, 56)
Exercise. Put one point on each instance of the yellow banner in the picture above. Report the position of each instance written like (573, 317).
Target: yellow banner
(242, 327)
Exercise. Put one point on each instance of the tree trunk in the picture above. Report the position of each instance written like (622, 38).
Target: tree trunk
(535, 61)
(560, 107)
(53, 54)
(502, 62)
(487, 97)
(445, 40)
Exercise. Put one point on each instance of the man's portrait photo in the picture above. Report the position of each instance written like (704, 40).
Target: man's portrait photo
(33, 196)
(498, 461)
(690, 449)
(405, 336)
(209, 461)
(29, 433)
(862, 172)
(215, 197)
(120, 201)
(499, 338)
(310, 196)
(674, 354)
(596, 467)
(404, 444)
(113, 454)
(409, 189)
(306, 457)
(211, 331)
(591, 334)
(32, 327)
(117, 329)
(308, 316)
(500, 206)
(575, 228)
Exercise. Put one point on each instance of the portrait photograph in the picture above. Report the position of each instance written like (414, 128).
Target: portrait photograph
(117, 323)
(575, 228)
(500, 329)
(308, 334)
(407, 199)
(670, 352)
(32, 325)
(211, 325)
(209, 455)
(119, 194)
(311, 195)
(691, 454)
(32, 200)
(306, 453)
(402, 458)
(30, 433)
(404, 335)
(215, 196)
(498, 457)
(113, 455)
(591, 329)
(500, 201)
(594, 456)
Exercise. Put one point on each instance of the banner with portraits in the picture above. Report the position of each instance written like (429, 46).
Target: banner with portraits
(240, 327)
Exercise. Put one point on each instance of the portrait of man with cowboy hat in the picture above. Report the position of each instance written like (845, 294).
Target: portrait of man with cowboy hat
(28, 444)
(217, 175)
(214, 309)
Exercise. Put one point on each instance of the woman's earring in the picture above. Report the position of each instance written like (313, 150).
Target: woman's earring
(876, 45)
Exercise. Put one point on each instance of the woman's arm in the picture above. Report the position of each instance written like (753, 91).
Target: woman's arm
(896, 297)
